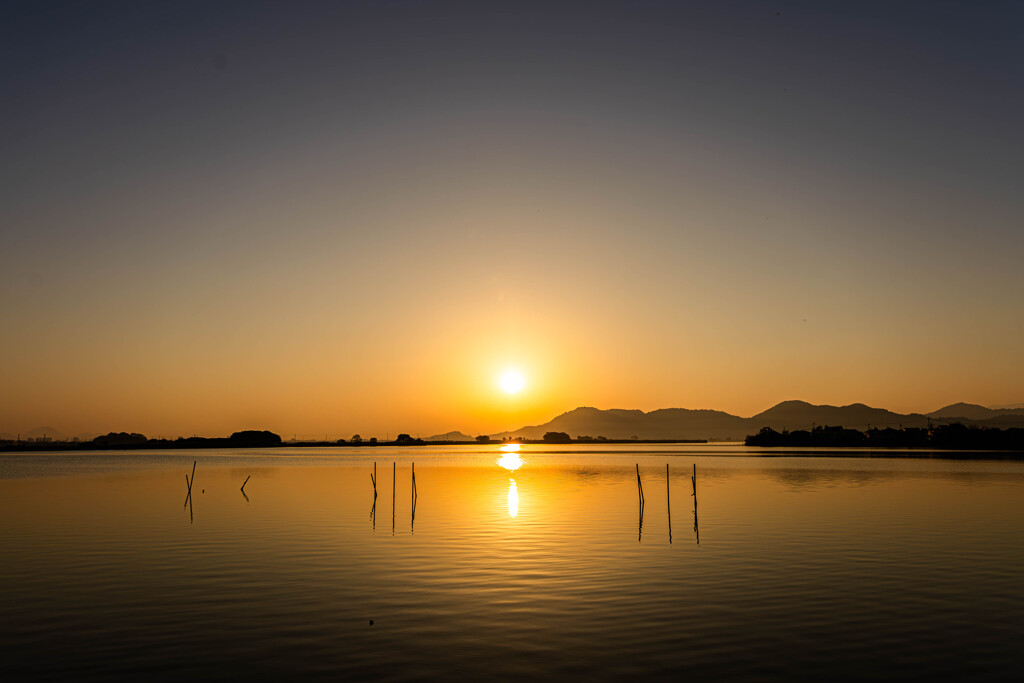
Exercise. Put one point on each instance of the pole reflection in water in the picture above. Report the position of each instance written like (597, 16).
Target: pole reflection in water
(373, 508)
(640, 533)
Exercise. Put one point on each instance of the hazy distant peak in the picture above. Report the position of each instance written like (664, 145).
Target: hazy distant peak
(46, 431)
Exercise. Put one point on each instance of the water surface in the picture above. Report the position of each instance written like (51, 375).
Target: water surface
(535, 563)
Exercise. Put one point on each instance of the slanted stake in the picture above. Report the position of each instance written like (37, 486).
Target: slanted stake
(188, 483)
(639, 486)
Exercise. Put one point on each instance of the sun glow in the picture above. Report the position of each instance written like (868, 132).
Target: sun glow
(512, 381)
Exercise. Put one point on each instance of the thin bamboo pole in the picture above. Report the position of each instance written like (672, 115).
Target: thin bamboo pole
(188, 483)
(668, 502)
(693, 480)
(639, 486)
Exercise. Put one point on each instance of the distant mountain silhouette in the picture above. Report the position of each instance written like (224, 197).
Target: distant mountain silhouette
(682, 423)
(969, 410)
(973, 411)
(802, 415)
(668, 423)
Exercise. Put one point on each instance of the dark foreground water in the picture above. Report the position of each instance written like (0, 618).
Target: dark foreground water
(537, 565)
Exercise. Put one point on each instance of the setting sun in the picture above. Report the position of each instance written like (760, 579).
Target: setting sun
(512, 381)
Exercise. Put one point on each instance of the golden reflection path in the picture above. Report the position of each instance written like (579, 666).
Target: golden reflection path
(513, 498)
(511, 461)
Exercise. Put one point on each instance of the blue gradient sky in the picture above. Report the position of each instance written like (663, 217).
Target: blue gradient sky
(336, 217)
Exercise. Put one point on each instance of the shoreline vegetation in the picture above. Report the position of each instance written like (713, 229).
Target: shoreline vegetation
(267, 439)
(953, 436)
(949, 437)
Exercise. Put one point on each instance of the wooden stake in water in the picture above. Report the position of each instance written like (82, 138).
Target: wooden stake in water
(188, 483)
(394, 478)
(640, 494)
(668, 502)
(373, 478)
(639, 486)
(414, 492)
(412, 521)
(244, 483)
(693, 480)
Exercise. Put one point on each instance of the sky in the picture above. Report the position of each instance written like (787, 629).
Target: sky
(335, 218)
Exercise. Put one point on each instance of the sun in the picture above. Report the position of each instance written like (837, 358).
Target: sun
(512, 381)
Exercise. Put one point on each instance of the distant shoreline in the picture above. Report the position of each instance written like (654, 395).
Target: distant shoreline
(777, 451)
(208, 443)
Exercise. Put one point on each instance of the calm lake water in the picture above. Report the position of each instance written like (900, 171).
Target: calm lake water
(535, 563)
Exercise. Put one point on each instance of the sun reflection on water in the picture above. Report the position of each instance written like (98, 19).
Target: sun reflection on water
(511, 461)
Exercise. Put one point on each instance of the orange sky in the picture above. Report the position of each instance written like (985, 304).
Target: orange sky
(353, 222)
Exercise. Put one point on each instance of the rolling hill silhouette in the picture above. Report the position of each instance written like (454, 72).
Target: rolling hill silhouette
(971, 411)
(682, 423)
(667, 423)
